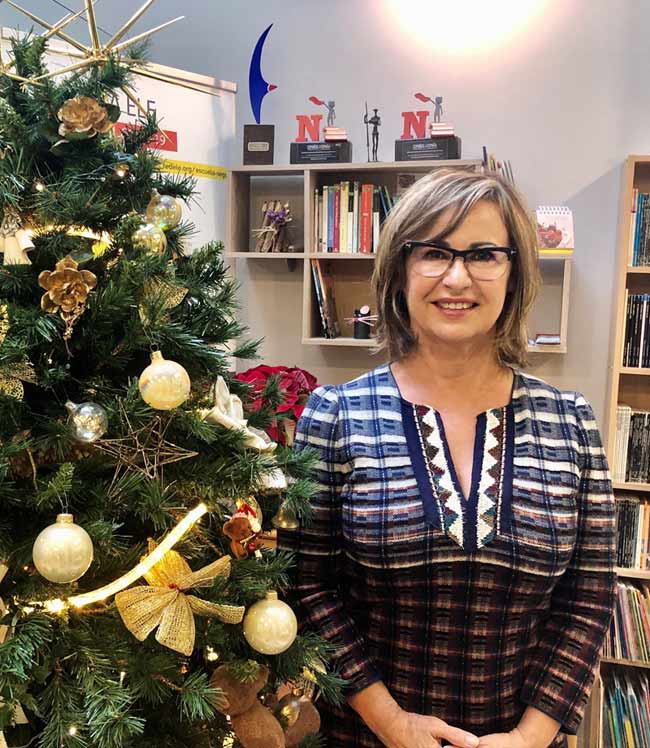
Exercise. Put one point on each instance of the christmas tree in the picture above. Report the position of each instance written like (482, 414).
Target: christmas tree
(139, 607)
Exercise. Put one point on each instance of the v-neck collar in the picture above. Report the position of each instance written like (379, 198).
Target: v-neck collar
(472, 521)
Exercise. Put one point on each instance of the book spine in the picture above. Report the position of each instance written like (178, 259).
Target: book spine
(355, 244)
(336, 240)
(343, 243)
(330, 219)
(633, 218)
(319, 297)
(351, 219)
(316, 225)
(366, 219)
(642, 315)
(325, 219)
(375, 218)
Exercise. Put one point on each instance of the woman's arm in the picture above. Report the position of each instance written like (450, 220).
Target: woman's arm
(560, 676)
(317, 544)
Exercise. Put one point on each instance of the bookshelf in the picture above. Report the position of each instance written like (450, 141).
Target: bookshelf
(349, 274)
(629, 386)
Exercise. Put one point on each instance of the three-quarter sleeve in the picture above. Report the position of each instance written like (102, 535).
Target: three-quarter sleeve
(559, 679)
(318, 548)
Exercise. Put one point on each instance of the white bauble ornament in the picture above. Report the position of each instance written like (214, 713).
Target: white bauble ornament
(164, 384)
(270, 626)
(88, 420)
(63, 551)
(150, 238)
(163, 210)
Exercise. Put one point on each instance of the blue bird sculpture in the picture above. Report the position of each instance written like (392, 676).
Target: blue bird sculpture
(257, 86)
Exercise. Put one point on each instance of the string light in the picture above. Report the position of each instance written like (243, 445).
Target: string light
(55, 606)
(212, 656)
(122, 677)
(39, 186)
(78, 601)
(72, 730)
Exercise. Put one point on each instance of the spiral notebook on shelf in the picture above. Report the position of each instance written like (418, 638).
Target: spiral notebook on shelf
(555, 229)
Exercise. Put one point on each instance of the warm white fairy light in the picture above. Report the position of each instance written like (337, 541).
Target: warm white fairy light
(78, 601)
(211, 655)
(72, 730)
(122, 677)
(55, 606)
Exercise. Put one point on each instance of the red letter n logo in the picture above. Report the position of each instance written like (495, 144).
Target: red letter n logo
(311, 124)
(416, 121)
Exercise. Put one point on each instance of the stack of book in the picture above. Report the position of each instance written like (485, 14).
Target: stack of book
(325, 300)
(348, 217)
(441, 130)
(639, 246)
(629, 632)
(636, 346)
(633, 533)
(625, 711)
(632, 446)
(335, 133)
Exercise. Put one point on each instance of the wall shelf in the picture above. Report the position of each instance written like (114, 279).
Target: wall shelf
(347, 274)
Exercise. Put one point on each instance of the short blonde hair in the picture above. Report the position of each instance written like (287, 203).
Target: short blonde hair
(418, 208)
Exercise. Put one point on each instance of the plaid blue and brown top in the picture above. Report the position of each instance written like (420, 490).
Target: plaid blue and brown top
(466, 608)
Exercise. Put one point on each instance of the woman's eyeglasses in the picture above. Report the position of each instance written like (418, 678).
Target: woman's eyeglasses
(432, 260)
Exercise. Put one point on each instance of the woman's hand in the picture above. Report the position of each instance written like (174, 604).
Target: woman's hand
(410, 730)
(513, 739)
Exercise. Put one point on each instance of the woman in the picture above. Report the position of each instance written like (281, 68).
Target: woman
(461, 556)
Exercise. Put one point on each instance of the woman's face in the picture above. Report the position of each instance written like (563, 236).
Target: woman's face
(428, 298)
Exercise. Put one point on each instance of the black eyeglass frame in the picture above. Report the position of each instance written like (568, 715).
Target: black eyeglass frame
(410, 245)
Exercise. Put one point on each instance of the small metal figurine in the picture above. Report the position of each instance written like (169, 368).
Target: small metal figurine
(437, 111)
(375, 121)
(331, 114)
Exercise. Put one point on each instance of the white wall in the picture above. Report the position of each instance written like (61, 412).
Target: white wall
(561, 91)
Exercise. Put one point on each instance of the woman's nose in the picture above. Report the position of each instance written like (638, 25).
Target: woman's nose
(457, 274)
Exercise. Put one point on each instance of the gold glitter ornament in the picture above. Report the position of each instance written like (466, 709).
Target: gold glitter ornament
(164, 293)
(13, 374)
(164, 605)
(150, 238)
(164, 384)
(83, 117)
(163, 210)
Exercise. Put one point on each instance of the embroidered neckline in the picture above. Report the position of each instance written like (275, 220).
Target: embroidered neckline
(472, 521)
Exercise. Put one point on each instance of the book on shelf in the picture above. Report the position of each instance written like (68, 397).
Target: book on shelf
(348, 217)
(632, 446)
(628, 637)
(639, 244)
(325, 300)
(626, 710)
(636, 341)
(633, 533)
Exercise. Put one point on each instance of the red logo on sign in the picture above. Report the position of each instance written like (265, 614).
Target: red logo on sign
(163, 140)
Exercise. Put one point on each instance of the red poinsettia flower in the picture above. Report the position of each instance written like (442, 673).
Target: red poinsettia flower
(295, 385)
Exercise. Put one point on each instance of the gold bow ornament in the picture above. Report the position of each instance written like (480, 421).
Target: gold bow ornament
(165, 606)
(228, 411)
(14, 241)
